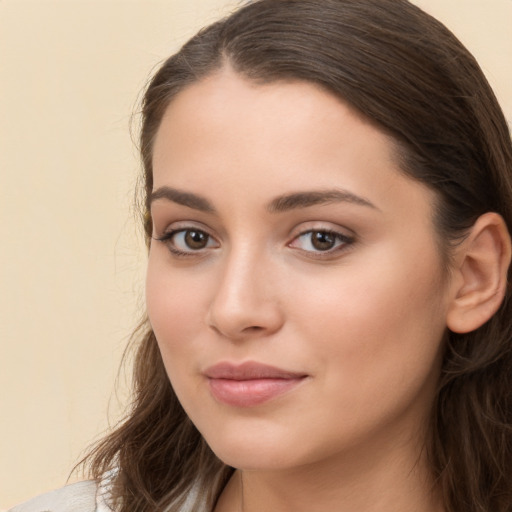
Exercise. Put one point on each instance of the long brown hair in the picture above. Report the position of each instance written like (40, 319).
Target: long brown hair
(405, 71)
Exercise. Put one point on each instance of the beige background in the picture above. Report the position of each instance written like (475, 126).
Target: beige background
(72, 262)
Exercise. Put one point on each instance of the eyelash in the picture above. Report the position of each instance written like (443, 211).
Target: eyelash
(343, 242)
(167, 239)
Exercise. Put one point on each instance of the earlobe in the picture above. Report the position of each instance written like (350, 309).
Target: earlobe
(482, 264)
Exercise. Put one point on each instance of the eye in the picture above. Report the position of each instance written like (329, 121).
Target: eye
(187, 241)
(321, 241)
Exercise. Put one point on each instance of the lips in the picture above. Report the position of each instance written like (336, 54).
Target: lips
(251, 383)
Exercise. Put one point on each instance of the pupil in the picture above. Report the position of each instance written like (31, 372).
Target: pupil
(323, 241)
(196, 239)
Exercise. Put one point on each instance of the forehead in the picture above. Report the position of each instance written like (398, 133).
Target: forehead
(227, 109)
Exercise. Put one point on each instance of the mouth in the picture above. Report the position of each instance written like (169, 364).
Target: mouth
(251, 383)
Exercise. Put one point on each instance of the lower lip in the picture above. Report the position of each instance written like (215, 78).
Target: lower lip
(248, 393)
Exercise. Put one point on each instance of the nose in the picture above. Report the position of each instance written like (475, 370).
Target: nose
(245, 303)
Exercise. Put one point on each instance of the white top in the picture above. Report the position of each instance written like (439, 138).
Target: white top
(87, 496)
(78, 497)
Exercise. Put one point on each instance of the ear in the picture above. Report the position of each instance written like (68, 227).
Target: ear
(480, 278)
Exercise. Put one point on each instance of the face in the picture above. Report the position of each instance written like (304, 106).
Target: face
(294, 283)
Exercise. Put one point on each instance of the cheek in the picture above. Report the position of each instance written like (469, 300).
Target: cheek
(380, 332)
(173, 305)
(176, 317)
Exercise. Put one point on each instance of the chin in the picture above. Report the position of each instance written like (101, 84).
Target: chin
(255, 458)
(260, 451)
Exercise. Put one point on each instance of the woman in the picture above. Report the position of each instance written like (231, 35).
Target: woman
(327, 205)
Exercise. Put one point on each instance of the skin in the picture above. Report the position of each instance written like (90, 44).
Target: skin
(364, 321)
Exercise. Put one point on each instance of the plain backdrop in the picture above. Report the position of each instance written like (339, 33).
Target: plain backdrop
(72, 257)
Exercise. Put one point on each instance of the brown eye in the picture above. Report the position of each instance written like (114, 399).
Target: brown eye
(182, 242)
(195, 239)
(322, 240)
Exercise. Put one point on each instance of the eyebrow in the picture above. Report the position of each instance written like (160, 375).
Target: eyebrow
(278, 205)
(314, 198)
(184, 198)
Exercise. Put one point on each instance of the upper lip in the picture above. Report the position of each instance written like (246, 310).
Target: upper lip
(249, 371)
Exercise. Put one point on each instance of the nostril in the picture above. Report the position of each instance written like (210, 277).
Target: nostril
(253, 328)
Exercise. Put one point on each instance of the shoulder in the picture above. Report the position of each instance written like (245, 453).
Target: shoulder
(78, 497)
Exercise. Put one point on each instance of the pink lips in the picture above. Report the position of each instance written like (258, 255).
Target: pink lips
(250, 383)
